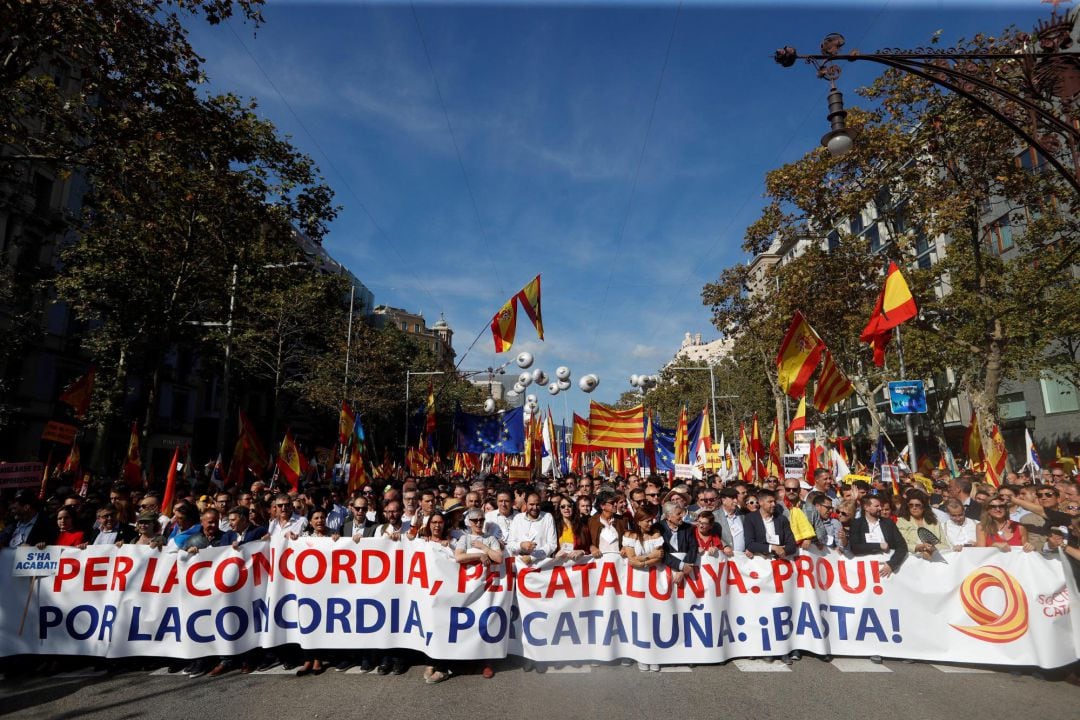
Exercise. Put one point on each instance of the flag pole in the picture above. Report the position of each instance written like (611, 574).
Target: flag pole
(907, 417)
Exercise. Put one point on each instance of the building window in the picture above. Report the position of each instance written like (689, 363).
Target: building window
(416, 328)
(1031, 160)
(833, 239)
(857, 224)
(1059, 395)
(873, 236)
(999, 236)
(1012, 406)
(404, 326)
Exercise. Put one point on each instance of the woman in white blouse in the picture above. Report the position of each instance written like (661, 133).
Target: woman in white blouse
(642, 544)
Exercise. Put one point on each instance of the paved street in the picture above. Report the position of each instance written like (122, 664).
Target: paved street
(847, 688)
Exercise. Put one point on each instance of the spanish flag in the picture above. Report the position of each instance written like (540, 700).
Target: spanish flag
(346, 422)
(682, 439)
(529, 297)
(996, 458)
(798, 422)
(746, 459)
(579, 442)
(133, 463)
(973, 441)
(895, 305)
(799, 354)
(504, 326)
(775, 467)
(291, 461)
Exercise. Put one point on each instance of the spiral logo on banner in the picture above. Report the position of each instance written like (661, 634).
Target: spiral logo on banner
(996, 627)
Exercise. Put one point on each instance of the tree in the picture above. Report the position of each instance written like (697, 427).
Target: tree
(929, 166)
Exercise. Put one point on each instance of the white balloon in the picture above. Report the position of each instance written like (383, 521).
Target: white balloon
(553, 388)
(518, 388)
(512, 393)
(564, 384)
(562, 372)
(588, 383)
(531, 399)
(635, 380)
(524, 360)
(540, 377)
(489, 405)
(525, 379)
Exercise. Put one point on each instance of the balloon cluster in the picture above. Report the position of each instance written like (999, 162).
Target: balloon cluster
(561, 382)
(644, 382)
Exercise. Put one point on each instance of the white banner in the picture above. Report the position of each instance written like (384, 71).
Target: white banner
(979, 605)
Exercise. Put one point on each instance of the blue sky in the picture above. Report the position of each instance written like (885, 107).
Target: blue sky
(564, 175)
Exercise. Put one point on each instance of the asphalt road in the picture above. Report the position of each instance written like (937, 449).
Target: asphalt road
(750, 690)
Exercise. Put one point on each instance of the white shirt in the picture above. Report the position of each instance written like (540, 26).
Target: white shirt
(336, 518)
(384, 530)
(734, 523)
(964, 534)
(498, 525)
(106, 538)
(296, 524)
(22, 531)
(873, 532)
(540, 531)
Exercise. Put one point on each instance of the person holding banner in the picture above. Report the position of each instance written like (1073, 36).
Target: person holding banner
(919, 526)
(997, 530)
(767, 531)
(605, 527)
(571, 530)
(68, 535)
(872, 534)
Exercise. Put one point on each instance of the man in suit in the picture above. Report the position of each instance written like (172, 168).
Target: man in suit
(110, 531)
(730, 520)
(768, 531)
(31, 527)
(680, 542)
(357, 523)
(872, 534)
(960, 489)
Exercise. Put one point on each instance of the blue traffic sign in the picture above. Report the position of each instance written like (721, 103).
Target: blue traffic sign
(907, 397)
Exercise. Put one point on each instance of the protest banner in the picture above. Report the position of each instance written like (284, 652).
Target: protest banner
(20, 475)
(979, 605)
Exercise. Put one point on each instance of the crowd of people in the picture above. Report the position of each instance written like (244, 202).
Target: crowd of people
(649, 521)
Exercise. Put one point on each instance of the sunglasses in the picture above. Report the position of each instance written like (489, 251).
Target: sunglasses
(918, 505)
(566, 507)
(1046, 494)
(996, 507)
(359, 507)
(1072, 507)
(476, 519)
(751, 502)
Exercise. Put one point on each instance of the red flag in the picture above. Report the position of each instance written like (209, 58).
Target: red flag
(894, 305)
(291, 461)
(74, 460)
(133, 463)
(170, 484)
(78, 394)
(346, 421)
(812, 461)
(798, 357)
(798, 422)
(45, 478)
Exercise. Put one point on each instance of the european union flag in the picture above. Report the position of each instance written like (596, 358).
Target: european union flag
(664, 442)
(879, 457)
(503, 433)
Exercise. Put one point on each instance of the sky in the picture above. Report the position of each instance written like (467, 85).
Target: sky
(618, 149)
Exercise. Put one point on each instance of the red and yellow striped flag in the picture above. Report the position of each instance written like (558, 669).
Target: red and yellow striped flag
(996, 458)
(973, 442)
(799, 354)
(610, 428)
(798, 422)
(832, 385)
(291, 461)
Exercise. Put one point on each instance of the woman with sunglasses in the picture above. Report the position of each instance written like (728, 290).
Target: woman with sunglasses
(997, 530)
(917, 523)
(571, 530)
(477, 545)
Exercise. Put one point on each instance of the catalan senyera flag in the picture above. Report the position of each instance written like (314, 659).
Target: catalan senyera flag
(579, 442)
(529, 297)
(682, 439)
(996, 458)
(133, 463)
(799, 354)
(832, 385)
(504, 326)
(78, 394)
(895, 305)
(610, 428)
(291, 461)
(650, 443)
(757, 449)
(973, 442)
(798, 422)
(346, 423)
(746, 458)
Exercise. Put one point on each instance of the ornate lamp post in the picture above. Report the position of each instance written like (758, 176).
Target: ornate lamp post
(1041, 107)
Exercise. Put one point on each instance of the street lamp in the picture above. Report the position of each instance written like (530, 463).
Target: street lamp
(1048, 62)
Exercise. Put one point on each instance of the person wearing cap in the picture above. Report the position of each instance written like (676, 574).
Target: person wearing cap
(30, 527)
(146, 529)
(453, 510)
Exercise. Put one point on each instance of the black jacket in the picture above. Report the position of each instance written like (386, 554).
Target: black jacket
(687, 542)
(756, 542)
(858, 545)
